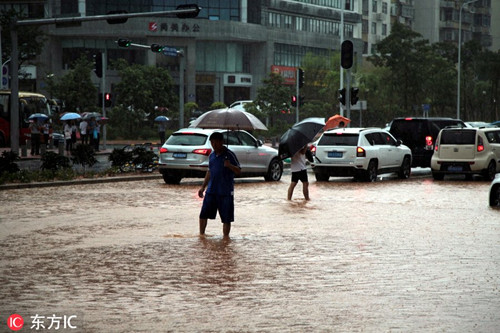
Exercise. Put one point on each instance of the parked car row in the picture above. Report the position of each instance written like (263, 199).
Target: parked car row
(447, 146)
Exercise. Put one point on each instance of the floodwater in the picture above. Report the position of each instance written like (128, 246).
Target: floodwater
(390, 256)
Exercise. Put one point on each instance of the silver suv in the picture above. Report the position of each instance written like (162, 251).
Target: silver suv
(467, 151)
(185, 155)
(360, 153)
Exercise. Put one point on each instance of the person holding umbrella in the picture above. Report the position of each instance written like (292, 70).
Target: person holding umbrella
(223, 165)
(299, 172)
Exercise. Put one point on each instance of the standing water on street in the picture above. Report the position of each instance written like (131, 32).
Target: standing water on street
(406, 256)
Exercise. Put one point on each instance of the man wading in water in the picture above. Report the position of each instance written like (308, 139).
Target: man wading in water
(219, 182)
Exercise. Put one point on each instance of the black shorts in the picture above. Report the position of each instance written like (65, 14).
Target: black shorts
(224, 204)
(300, 175)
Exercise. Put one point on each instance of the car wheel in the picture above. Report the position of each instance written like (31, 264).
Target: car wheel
(170, 178)
(437, 176)
(495, 196)
(405, 171)
(490, 172)
(371, 172)
(322, 177)
(275, 171)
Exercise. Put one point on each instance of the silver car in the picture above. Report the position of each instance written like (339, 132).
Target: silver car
(185, 155)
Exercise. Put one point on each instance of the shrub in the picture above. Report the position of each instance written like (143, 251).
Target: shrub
(119, 157)
(83, 155)
(53, 162)
(7, 162)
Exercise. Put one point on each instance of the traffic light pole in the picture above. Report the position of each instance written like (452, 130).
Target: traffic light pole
(297, 91)
(348, 93)
(103, 88)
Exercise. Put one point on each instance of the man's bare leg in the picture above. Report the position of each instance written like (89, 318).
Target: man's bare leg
(226, 229)
(203, 226)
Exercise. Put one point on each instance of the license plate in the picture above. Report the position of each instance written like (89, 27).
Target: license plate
(455, 168)
(179, 155)
(335, 154)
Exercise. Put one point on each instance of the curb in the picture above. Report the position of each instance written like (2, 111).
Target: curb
(14, 186)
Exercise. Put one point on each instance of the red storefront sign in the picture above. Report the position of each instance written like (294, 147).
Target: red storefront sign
(288, 73)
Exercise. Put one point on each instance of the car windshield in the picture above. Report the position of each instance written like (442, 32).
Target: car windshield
(339, 139)
(459, 137)
(187, 139)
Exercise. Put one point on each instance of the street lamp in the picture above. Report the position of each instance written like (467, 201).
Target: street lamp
(460, 53)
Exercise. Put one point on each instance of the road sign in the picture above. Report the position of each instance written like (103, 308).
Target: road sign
(170, 51)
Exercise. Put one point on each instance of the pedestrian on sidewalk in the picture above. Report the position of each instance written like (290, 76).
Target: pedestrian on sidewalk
(223, 165)
(35, 137)
(299, 172)
(161, 131)
(83, 131)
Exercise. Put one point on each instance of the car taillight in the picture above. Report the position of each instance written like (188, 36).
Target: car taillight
(313, 149)
(436, 145)
(202, 151)
(428, 142)
(360, 152)
(480, 144)
(163, 150)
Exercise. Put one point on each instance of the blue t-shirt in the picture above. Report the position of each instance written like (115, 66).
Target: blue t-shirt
(221, 178)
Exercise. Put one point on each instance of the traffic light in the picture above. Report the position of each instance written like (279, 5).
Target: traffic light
(294, 100)
(107, 100)
(347, 53)
(301, 77)
(156, 48)
(98, 64)
(354, 95)
(188, 15)
(122, 42)
(342, 96)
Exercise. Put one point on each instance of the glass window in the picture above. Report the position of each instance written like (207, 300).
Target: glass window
(339, 139)
(458, 137)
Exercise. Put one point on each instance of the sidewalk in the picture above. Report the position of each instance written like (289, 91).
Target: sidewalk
(103, 150)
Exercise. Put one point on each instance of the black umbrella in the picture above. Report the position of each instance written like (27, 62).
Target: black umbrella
(299, 135)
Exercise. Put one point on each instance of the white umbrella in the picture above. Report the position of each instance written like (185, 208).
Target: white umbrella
(230, 119)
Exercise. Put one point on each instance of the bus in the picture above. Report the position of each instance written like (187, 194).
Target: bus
(29, 103)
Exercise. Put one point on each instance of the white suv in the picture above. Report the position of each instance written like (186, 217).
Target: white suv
(466, 151)
(185, 154)
(362, 153)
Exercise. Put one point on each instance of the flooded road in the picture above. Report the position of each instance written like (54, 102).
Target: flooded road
(399, 256)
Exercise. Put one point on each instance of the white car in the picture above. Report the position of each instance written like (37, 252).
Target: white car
(495, 192)
(362, 153)
(466, 151)
(240, 105)
(185, 154)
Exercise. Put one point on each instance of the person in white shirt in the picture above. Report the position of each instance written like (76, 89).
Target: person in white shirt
(299, 172)
(83, 131)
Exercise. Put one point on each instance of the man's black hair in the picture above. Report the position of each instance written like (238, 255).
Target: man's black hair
(216, 136)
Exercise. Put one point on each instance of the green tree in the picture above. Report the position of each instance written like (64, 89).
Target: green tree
(273, 97)
(140, 96)
(31, 39)
(75, 88)
(402, 53)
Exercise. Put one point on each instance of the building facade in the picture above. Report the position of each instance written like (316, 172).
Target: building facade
(438, 21)
(227, 50)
